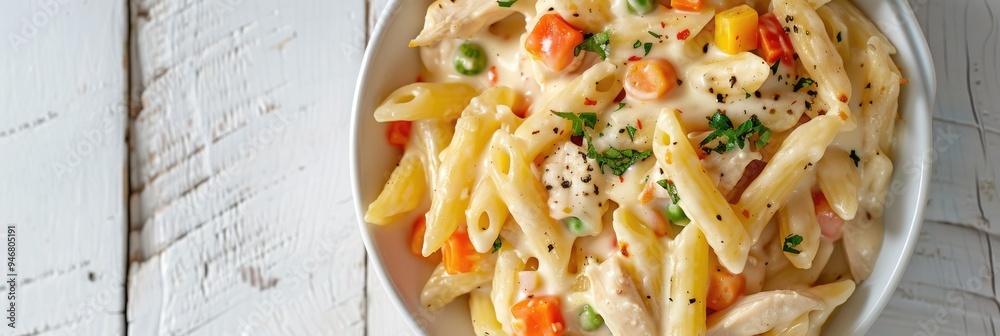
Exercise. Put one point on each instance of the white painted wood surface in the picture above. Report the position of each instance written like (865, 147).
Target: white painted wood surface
(62, 161)
(234, 188)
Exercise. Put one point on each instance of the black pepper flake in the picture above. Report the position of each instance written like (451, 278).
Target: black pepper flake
(777, 96)
(704, 49)
(585, 179)
(548, 187)
(551, 247)
(711, 90)
(796, 29)
(692, 301)
(869, 86)
(535, 132)
(718, 217)
(719, 98)
(756, 94)
(732, 82)
(769, 205)
(566, 184)
(555, 130)
(679, 82)
(596, 191)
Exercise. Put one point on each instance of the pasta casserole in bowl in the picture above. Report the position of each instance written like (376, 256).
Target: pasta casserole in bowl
(642, 167)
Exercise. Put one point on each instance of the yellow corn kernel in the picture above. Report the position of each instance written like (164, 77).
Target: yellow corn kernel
(736, 30)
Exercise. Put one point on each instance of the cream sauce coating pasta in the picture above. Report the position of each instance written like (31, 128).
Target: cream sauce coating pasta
(635, 173)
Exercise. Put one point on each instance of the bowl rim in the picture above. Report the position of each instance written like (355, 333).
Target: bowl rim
(913, 33)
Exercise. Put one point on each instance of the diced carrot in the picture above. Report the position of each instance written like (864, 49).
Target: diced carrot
(459, 254)
(830, 224)
(724, 288)
(736, 30)
(552, 41)
(686, 5)
(774, 42)
(649, 79)
(492, 76)
(399, 133)
(417, 236)
(538, 316)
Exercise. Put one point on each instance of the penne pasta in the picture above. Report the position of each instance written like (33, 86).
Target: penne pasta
(425, 101)
(689, 283)
(838, 178)
(798, 218)
(402, 193)
(484, 318)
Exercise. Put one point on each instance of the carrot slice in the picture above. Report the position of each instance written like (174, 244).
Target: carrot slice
(399, 133)
(686, 5)
(553, 41)
(649, 79)
(724, 288)
(459, 254)
(538, 316)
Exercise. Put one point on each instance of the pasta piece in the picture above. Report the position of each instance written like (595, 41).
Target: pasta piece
(484, 318)
(749, 70)
(860, 22)
(599, 84)
(641, 251)
(882, 99)
(863, 234)
(402, 193)
(792, 277)
(688, 283)
(617, 300)
(425, 101)
(511, 172)
(797, 327)
(431, 137)
(450, 198)
(758, 313)
(700, 199)
(798, 218)
(442, 287)
(505, 282)
(486, 215)
(450, 19)
(818, 55)
(838, 178)
(830, 296)
(771, 189)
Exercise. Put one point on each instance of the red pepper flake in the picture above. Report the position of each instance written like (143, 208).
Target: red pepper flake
(623, 247)
(621, 179)
(420, 79)
(634, 58)
(663, 25)
(638, 123)
(746, 213)
(492, 75)
(588, 102)
(684, 34)
(843, 98)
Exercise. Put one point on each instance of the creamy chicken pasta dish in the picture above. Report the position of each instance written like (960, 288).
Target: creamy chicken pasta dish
(643, 167)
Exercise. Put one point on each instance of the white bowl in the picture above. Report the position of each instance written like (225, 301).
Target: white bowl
(389, 64)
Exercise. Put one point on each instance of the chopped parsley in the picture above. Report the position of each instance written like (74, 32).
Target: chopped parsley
(748, 94)
(617, 160)
(620, 106)
(597, 43)
(803, 82)
(723, 127)
(631, 132)
(579, 121)
(654, 34)
(647, 47)
(671, 189)
(838, 36)
(854, 156)
(774, 67)
(506, 3)
(497, 243)
(791, 242)
(637, 44)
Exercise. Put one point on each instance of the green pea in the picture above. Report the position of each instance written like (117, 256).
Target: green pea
(470, 59)
(641, 6)
(676, 215)
(590, 320)
(575, 225)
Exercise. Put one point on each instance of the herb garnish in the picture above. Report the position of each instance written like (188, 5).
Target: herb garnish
(631, 132)
(497, 243)
(579, 121)
(654, 34)
(671, 189)
(803, 82)
(774, 67)
(854, 156)
(617, 159)
(637, 44)
(597, 43)
(620, 106)
(791, 242)
(647, 47)
(506, 3)
(737, 137)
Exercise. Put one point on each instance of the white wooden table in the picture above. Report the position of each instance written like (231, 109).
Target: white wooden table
(180, 167)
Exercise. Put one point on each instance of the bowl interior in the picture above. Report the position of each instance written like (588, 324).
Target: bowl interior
(389, 64)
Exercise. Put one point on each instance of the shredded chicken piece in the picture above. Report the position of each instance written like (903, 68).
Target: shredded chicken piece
(458, 19)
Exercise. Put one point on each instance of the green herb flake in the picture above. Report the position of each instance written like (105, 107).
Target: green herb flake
(597, 43)
(854, 156)
(631, 132)
(748, 95)
(654, 34)
(647, 47)
(637, 44)
(671, 189)
(497, 243)
(506, 3)
(579, 120)
(774, 67)
(617, 160)
(791, 242)
(620, 106)
(735, 137)
(803, 82)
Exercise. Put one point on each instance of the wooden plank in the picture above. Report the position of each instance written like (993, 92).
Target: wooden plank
(62, 154)
(241, 211)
